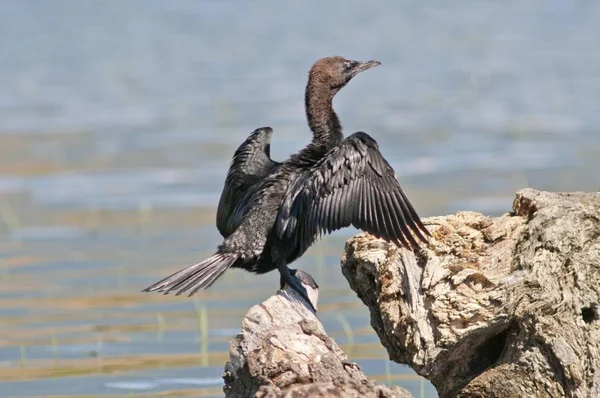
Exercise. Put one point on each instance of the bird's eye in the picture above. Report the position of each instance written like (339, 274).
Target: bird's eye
(347, 65)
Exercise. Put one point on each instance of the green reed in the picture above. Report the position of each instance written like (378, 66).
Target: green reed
(54, 343)
(388, 372)
(347, 331)
(8, 216)
(4, 271)
(23, 351)
(202, 314)
(99, 362)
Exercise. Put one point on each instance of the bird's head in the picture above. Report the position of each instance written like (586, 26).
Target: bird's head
(336, 72)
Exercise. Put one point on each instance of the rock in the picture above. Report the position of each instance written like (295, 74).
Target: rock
(283, 351)
(495, 306)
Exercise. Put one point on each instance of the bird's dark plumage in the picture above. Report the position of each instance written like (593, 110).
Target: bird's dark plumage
(270, 213)
(251, 163)
(352, 185)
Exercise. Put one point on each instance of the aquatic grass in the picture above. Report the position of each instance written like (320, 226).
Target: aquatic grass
(348, 332)
(99, 363)
(202, 314)
(5, 273)
(388, 372)
(47, 369)
(23, 351)
(96, 364)
(54, 343)
(8, 216)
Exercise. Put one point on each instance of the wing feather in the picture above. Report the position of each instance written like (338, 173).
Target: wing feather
(251, 163)
(352, 185)
(393, 219)
(376, 212)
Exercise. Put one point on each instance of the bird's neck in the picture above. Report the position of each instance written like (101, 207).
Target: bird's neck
(322, 119)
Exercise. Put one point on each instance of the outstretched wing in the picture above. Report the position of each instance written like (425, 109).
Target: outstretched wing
(250, 164)
(352, 185)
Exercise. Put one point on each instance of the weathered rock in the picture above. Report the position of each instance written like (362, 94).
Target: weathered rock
(283, 351)
(493, 307)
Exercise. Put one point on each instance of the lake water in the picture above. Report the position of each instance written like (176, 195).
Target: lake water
(118, 121)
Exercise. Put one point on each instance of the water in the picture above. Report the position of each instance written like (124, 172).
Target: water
(117, 123)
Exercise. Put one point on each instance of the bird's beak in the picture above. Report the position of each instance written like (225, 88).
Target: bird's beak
(363, 66)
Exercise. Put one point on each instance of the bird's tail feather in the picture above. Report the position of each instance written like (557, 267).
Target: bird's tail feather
(196, 277)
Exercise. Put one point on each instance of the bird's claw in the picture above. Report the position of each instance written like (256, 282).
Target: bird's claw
(294, 283)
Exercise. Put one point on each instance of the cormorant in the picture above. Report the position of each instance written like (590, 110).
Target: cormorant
(330, 184)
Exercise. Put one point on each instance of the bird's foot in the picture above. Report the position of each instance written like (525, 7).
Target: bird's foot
(294, 282)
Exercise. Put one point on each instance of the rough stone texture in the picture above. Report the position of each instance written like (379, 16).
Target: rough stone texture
(493, 307)
(283, 351)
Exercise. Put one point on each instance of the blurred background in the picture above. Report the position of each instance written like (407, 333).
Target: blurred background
(118, 121)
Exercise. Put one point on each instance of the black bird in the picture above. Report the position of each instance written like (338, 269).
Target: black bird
(330, 184)
(251, 163)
